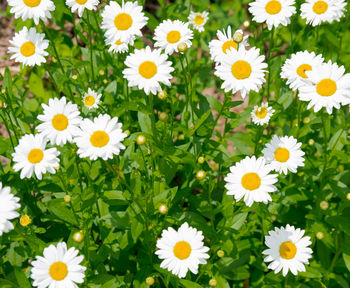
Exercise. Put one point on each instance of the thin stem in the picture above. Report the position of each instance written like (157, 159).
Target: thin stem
(191, 87)
(220, 113)
(325, 145)
(269, 62)
(186, 83)
(90, 48)
(8, 130)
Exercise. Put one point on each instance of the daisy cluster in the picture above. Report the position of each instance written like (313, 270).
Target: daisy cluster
(241, 68)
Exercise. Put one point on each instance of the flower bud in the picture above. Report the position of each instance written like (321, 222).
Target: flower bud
(246, 24)
(319, 235)
(348, 196)
(162, 95)
(220, 253)
(324, 205)
(127, 132)
(25, 220)
(101, 72)
(67, 198)
(74, 77)
(306, 120)
(150, 280)
(181, 137)
(140, 140)
(78, 236)
(238, 36)
(311, 142)
(200, 175)
(182, 47)
(201, 160)
(163, 116)
(163, 209)
(213, 282)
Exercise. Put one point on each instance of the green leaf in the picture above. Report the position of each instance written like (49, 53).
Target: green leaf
(189, 284)
(58, 208)
(22, 279)
(346, 258)
(199, 122)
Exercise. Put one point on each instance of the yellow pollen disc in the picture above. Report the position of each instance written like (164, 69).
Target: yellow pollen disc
(251, 181)
(58, 271)
(182, 250)
(25, 220)
(27, 49)
(173, 37)
(31, 3)
(288, 250)
(35, 156)
(60, 122)
(273, 7)
(118, 42)
(123, 21)
(326, 87)
(320, 7)
(281, 154)
(198, 20)
(261, 113)
(81, 2)
(89, 100)
(99, 139)
(148, 69)
(228, 44)
(302, 68)
(241, 69)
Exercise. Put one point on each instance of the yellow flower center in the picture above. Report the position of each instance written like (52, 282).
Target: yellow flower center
(251, 181)
(27, 49)
(118, 42)
(25, 220)
(81, 2)
(31, 3)
(288, 250)
(99, 139)
(58, 271)
(228, 44)
(281, 154)
(241, 69)
(148, 69)
(326, 87)
(182, 250)
(89, 100)
(173, 36)
(60, 122)
(273, 7)
(198, 20)
(320, 7)
(302, 68)
(35, 156)
(261, 112)
(123, 21)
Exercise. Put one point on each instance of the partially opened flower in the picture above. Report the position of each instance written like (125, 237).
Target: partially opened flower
(198, 20)
(283, 154)
(91, 99)
(123, 21)
(100, 138)
(251, 179)
(317, 12)
(146, 69)
(328, 87)
(169, 34)
(8, 206)
(261, 114)
(32, 9)
(81, 5)
(272, 12)
(287, 250)
(31, 156)
(119, 46)
(219, 47)
(28, 47)
(60, 121)
(182, 250)
(295, 67)
(59, 267)
(242, 70)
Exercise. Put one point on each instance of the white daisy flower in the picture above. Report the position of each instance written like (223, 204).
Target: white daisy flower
(288, 250)
(91, 99)
(32, 9)
(118, 46)
(261, 115)
(28, 47)
(242, 70)
(219, 47)
(31, 156)
(80, 5)
(250, 178)
(273, 12)
(318, 11)
(100, 138)
(294, 68)
(198, 20)
(182, 250)
(283, 154)
(8, 206)
(146, 69)
(327, 87)
(60, 121)
(169, 34)
(123, 22)
(59, 267)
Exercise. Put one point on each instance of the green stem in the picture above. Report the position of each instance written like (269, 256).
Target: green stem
(190, 88)
(90, 48)
(8, 130)
(325, 146)
(186, 83)
(220, 113)
(269, 62)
